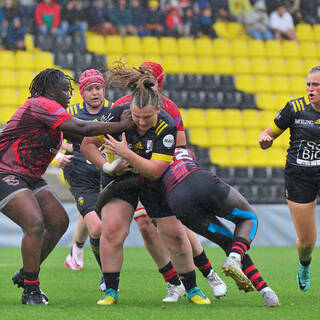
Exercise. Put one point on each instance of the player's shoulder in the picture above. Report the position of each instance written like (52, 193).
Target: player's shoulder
(298, 104)
(165, 121)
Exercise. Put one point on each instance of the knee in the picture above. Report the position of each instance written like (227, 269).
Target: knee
(95, 231)
(35, 227)
(116, 236)
(147, 229)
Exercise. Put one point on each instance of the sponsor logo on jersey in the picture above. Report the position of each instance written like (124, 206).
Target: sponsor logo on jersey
(149, 146)
(107, 117)
(168, 140)
(303, 121)
(80, 201)
(11, 180)
(138, 145)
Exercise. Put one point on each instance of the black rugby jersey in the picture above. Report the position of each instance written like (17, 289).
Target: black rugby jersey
(158, 142)
(304, 124)
(79, 162)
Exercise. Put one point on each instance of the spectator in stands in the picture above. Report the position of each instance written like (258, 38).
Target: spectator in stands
(16, 32)
(220, 10)
(10, 11)
(302, 167)
(281, 23)
(121, 18)
(239, 9)
(189, 23)
(48, 18)
(2, 28)
(73, 18)
(155, 19)
(98, 18)
(174, 23)
(257, 22)
(310, 11)
(293, 7)
(138, 18)
(205, 23)
(26, 8)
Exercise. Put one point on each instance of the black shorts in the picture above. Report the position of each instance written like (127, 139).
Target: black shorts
(198, 196)
(84, 188)
(302, 185)
(11, 184)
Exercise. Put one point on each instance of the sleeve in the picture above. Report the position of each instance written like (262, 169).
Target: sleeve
(174, 112)
(56, 17)
(37, 15)
(121, 100)
(50, 113)
(164, 144)
(283, 119)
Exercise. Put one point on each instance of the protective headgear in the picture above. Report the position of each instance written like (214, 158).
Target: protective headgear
(90, 77)
(157, 71)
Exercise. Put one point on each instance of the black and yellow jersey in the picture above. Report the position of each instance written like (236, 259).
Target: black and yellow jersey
(79, 162)
(158, 142)
(304, 123)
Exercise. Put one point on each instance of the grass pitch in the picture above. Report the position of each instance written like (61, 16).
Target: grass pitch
(73, 294)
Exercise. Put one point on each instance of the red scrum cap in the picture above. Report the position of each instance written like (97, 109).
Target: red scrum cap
(156, 69)
(90, 77)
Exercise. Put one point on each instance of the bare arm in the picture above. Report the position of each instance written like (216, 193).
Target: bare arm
(181, 139)
(151, 169)
(266, 138)
(90, 149)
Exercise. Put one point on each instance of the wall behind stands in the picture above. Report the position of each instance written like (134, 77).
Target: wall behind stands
(275, 229)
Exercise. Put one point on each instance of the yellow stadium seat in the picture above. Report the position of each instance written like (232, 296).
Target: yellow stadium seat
(7, 78)
(297, 84)
(260, 66)
(316, 32)
(245, 82)
(150, 46)
(308, 50)
(43, 60)
(96, 43)
(189, 64)
(257, 157)
(281, 99)
(256, 48)
(221, 29)
(132, 45)
(266, 117)
(304, 32)
(214, 118)
(168, 46)
(112, 59)
(113, 45)
(252, 136)
(203, 46)
(153, 58)
(242, 65)
(184, 116)
(206, 65)
(22, 96)
(196, 118)
(134, 60)
(199, 137)
(239, 48)
(310, 63)
(280, 84)
(235, 31)
(28, 41)
(24, 60)
(239, 156)
(221, 47)
(263, 84)
(186, 46)
(251, 118)
(235, 137)
(295, 66)
(273, 48)
(290, 49)
(171, 63)
(220, 156)
(275, 157)
(76, 96)
(6, 113)
(224, 65)
(7, 59)
(217, 137)
(8, 97)
(233, 118)
(266, 101)
(24, 78)
(277, 66)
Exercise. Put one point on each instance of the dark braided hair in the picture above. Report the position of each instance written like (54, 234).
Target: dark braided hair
(141, 82)
(47, 79)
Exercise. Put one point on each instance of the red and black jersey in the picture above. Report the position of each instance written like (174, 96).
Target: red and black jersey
(304, 124)
(31, 138)
(184, 162)
(168, 105)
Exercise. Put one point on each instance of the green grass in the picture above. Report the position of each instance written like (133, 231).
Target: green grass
(73, 294)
